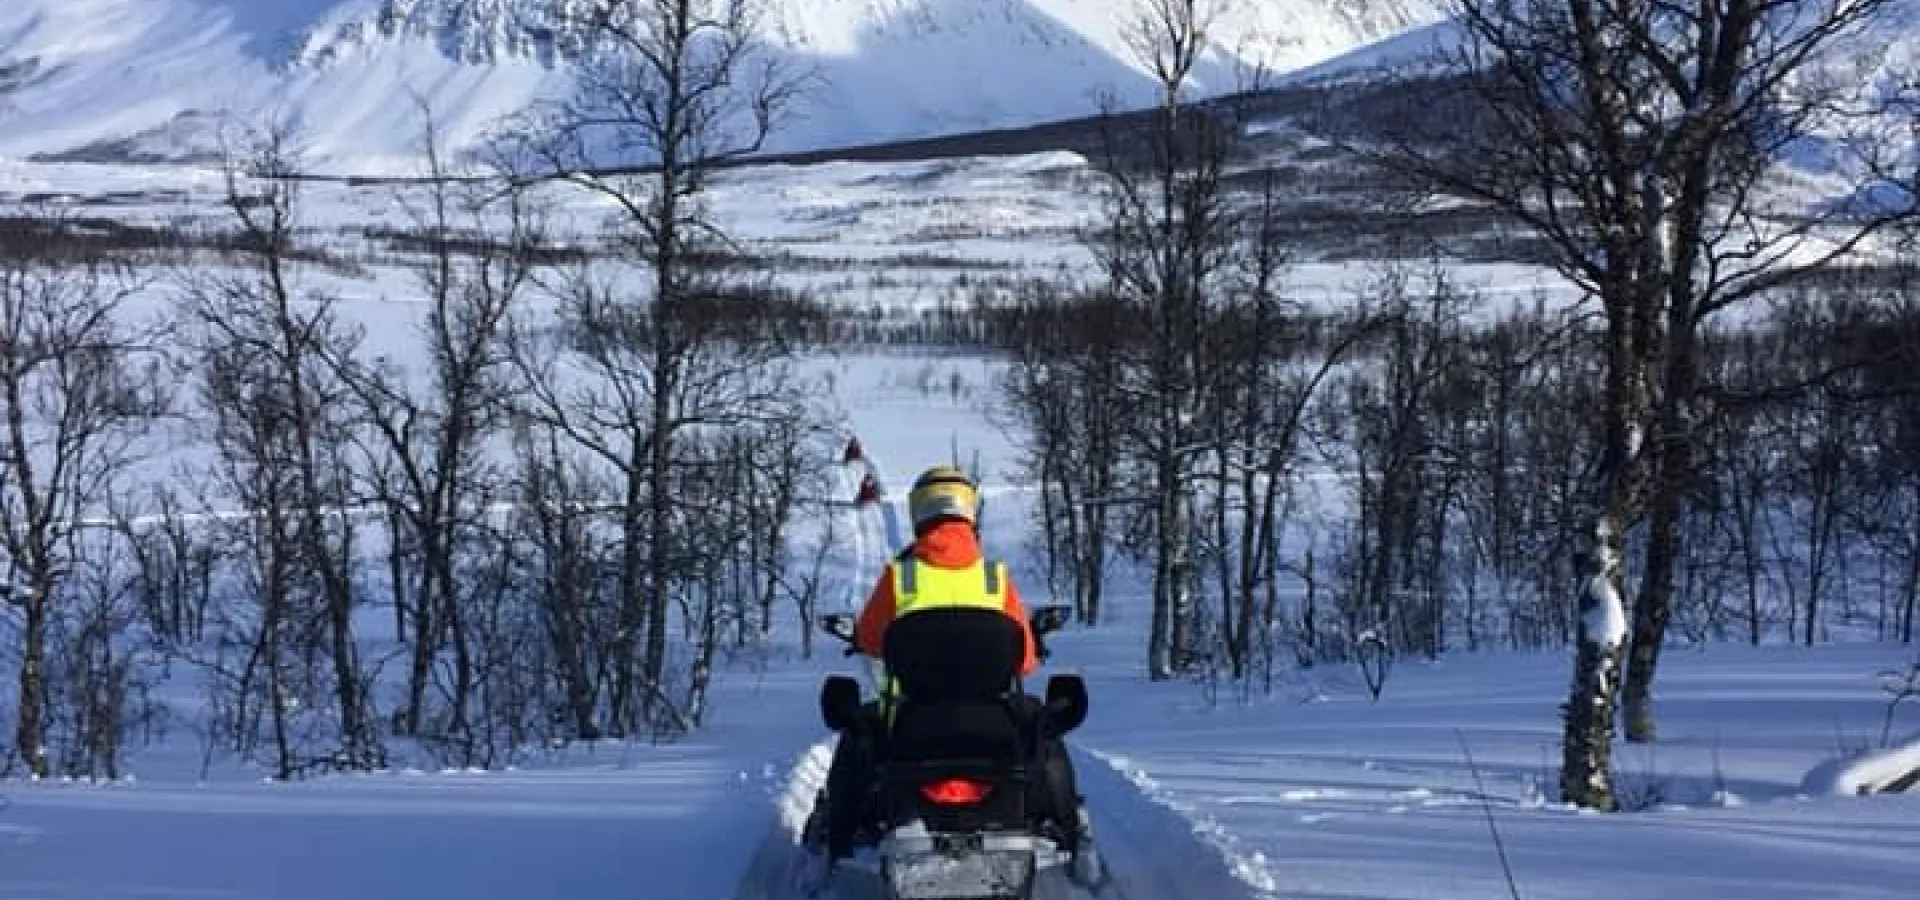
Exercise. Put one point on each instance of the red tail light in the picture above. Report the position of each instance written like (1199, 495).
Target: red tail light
(954, 792)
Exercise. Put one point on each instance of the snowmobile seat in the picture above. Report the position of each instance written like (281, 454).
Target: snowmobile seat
(956, 669)
(954, 654)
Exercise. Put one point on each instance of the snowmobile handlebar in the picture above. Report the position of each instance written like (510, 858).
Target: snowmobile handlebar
(1044, 620)
(1050, 618)
(840, 625)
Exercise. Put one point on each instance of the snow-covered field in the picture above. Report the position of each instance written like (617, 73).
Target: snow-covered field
(905, 235)
(1311, 793)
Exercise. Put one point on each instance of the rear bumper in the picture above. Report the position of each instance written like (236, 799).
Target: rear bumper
(917, 864)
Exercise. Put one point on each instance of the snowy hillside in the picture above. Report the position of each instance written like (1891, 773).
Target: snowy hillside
(141, 78)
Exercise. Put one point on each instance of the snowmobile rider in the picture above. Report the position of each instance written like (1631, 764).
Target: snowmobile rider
(943, 567)
(946, 558)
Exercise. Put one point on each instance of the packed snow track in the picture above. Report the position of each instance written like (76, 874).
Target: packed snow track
(1151, 851)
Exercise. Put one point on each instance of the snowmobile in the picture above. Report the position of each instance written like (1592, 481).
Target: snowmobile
(948, 815)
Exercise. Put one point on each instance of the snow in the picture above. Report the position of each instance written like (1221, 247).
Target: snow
(1606, 620)
(1343, 798)
(629, 820)
(1431, 46)
(274, 31)
(904, 236)
(1313, 792)
(1870, 772)
(153, 77)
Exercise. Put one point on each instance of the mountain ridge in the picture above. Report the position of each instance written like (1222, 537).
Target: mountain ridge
(146, 80)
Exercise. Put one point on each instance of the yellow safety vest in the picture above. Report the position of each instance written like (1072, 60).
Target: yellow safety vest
(918, 588)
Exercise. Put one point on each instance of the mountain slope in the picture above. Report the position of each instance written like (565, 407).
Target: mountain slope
(114, 79)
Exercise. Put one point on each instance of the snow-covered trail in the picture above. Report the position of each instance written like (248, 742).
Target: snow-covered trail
(1152, 851)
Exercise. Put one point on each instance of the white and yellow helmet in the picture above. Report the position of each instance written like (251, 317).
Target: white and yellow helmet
(943, 492)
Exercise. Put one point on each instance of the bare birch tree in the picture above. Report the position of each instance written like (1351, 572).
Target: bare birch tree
(670, 91)
(1273, 356)
(431, 431)
(1065, 408)
(269, 365)
(1165, 245)
(78, 393)
(1639, 139)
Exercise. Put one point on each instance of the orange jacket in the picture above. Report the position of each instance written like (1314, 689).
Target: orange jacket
(949, 545)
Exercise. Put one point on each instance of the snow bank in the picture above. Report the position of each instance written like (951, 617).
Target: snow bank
(1872, 772)
(803, 783)
(1249, 866)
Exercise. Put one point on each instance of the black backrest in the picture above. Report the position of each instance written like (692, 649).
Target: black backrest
(954, 654)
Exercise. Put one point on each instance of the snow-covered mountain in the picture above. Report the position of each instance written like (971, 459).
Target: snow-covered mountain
(146, 78)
